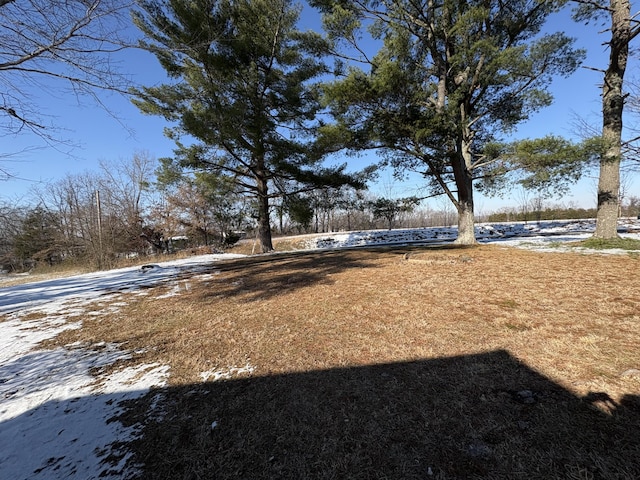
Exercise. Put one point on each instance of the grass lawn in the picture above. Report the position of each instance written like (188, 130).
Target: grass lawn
(390, 363)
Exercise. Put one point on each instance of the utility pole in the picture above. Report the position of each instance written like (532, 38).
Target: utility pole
(99, 211)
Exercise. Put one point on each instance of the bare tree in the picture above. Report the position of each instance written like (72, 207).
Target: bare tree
(100, 215)
(631, 145)
(123, 185)
(73, 200)
(633, 206)
(524, 199)
(162, 223)
(55, 47)
(537, 206)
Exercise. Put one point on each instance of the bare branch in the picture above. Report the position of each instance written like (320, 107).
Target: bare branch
(60, 47)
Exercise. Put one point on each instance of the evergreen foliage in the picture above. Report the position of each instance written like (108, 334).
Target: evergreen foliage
(204, 206)
(389, 209)
(244, 102)
(300, 210)
(449, 79)
(37, 238)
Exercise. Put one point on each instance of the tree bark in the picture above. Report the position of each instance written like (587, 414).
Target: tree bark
(465, 207)
(464, 204)
(464, 183)
(264, 221)
(466, 224)
(612, 108)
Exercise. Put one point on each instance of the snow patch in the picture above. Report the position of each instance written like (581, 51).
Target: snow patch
(59, 407)
(228, 373)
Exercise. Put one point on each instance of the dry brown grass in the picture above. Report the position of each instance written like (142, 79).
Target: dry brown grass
(22, 278)
(393, 363)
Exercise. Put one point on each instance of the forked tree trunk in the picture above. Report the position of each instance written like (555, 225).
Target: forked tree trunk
(612, 108)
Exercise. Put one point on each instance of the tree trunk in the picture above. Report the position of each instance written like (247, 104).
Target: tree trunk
(264, 222)
(466, 220)
(612, 108)
(464, 184)
(608, 187)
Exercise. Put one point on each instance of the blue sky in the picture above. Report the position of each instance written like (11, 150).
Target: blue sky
(96, 135)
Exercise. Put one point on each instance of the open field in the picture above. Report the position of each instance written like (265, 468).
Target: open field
(559, 234)
(388, 362)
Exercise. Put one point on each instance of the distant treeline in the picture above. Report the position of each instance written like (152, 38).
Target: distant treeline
(552, 213)
(105, 218)
(546, 214)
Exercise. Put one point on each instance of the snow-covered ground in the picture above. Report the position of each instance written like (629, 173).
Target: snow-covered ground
(536, 235)
(56, 412)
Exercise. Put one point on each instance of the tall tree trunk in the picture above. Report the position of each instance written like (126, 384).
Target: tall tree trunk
(466, 217)
(464, 203)
(464, 183)
(612, 108)
(264, 222)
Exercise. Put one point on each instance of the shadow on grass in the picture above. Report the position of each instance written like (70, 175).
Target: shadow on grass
(262, 277)
(483, 416)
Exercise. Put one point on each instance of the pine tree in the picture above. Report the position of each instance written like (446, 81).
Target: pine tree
(243, 95)
(37, 236)
(449, 79)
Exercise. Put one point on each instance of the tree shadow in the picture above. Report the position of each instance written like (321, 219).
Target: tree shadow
(262, 277)
(481, 416)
